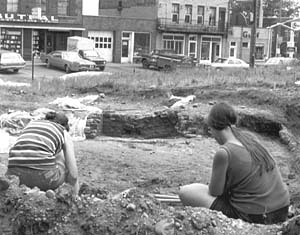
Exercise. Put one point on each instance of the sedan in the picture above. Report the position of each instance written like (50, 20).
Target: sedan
(11, 60)
(282, 61)
(231, 62)
(69, 61)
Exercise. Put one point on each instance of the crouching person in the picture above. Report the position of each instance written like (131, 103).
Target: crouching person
(245, 181)
(43, 155)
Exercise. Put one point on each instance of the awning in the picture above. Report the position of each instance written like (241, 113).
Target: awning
(50, 27)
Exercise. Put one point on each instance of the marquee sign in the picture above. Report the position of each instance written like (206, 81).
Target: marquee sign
(27, 18)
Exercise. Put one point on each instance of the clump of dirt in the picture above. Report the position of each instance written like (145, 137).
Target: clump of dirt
(129, 212)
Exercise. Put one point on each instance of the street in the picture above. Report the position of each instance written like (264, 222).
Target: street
(40, 71)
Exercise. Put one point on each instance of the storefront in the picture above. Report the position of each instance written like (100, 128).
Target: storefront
(28, 34)
(239, 43)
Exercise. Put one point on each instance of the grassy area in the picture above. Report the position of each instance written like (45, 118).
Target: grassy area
(144, 79)
(127, 83)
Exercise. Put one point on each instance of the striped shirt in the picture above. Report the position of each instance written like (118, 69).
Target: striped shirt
(37, 145)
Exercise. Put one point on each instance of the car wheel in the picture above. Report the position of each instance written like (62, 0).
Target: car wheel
(48, 64)
(16, 70)
(145, 64)
(167, 68)
(67, 69)
(101, 68)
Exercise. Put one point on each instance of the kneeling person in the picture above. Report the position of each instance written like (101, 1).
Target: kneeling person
(43, 155)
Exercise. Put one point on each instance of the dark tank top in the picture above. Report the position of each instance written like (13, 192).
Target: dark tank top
(249, 191)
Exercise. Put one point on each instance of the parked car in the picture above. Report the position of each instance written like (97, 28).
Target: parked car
(93, 55)
(229, 63)
(166, 60)
(70, 61)
(11, 60)
(282, 61)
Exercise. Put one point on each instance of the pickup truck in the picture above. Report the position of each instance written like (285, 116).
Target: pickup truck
(166, 60)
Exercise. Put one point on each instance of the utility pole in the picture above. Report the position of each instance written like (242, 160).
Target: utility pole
(253, 35)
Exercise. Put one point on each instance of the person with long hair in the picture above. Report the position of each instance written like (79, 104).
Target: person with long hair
(245, 181)
(43, 155)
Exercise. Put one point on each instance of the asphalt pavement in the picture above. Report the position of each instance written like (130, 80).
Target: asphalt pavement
(38, 70)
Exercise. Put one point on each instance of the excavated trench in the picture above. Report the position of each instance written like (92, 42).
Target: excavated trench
(135, 213)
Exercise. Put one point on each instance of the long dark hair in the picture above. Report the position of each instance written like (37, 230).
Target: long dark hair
(223, 115)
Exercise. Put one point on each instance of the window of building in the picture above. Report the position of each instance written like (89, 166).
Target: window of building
(44, 6)
(212, 16)
(141, 43)
(200, 17)
(175, 12)
(174, 42)
(245, 44)
(102, 42)
(63, 7)
(188, 14)
(12, 5)
(259, 52)
(232, 49)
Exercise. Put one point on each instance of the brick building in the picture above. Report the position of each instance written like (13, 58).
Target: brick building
(29, 26)
(123, 29)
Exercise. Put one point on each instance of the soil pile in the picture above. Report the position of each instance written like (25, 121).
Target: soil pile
(30, 211)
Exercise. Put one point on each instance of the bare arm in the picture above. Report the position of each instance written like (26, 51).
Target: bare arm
(218, 176)
(71, 165)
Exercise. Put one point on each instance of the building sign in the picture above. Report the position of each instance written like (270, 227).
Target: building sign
(295, 25)
(27, 18)
(247, 34)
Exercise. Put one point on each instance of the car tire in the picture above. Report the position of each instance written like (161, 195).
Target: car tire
(101, 68)
(67, 69)
(48, 64)
(145, 64)
(167, 68)
(16, 70)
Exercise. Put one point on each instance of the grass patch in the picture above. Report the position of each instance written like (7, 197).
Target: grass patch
(127, 82)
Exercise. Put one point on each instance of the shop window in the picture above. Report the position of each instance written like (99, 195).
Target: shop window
(12, 5)
(63, 7)
(188, 14)
(175, 13)
(141, 43)
(174, 42)
(11, 39)
(212, 16)
(200, 18)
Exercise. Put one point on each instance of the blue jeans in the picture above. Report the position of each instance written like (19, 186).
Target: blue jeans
(43, 179)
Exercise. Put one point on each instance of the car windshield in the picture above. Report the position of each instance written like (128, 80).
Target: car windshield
(220, 60)
(71, 56)
(10, 56)
(91, 53)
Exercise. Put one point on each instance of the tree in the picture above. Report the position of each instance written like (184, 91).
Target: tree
(287, 8)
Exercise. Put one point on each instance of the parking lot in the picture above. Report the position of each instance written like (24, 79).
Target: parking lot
(40, 71)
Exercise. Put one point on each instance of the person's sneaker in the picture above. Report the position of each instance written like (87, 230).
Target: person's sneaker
(4, 184)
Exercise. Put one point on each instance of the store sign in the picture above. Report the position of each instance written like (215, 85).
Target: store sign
(27, 18)
(247, 34)
(295, 25)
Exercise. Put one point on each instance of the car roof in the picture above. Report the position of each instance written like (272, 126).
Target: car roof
(7, 51)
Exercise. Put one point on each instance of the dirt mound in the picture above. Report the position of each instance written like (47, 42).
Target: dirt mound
(30, 211)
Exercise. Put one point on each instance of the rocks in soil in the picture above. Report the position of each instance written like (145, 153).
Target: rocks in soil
(134, 212)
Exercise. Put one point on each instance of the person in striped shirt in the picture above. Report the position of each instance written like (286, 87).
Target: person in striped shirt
(43, 155)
